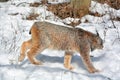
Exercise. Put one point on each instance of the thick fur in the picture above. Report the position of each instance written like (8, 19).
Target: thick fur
(48, 35)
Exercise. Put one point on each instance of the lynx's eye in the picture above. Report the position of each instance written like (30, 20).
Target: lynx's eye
(97, 40)
(100, 41)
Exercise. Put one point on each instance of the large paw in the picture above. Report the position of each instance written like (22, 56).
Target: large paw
(70, 67)
(37, 63)
(93, 70)
(21, 58)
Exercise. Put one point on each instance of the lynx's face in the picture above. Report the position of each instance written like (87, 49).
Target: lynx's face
(98, 43)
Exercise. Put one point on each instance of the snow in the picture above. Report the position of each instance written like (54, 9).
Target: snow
(14, 29)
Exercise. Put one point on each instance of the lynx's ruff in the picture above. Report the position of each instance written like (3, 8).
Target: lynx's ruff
(48, 35)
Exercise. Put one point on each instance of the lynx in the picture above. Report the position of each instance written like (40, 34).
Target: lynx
(56, 37)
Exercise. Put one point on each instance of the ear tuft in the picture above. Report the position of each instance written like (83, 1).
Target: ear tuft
(97, 32)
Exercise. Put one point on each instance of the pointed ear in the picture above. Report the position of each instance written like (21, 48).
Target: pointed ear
(97, 33)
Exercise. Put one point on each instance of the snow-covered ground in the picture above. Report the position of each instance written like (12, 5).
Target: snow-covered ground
(14, 30)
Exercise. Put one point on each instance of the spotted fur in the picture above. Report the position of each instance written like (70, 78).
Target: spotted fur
(52, 36)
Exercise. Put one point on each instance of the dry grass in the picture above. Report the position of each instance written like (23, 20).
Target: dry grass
(35, 4)
(113, 3)
(32, 16)
(64, 10)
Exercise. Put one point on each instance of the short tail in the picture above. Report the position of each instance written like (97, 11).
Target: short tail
(34, 25)
(30, 31)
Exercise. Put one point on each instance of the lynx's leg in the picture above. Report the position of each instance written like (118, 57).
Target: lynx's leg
(26, 45)
(36, 45)
(87, 61)
(67, 60)
(32, 54)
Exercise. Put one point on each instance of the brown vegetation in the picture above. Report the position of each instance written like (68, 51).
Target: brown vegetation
(64, 10)
(113, 3)
(32, 16)
(35, 4)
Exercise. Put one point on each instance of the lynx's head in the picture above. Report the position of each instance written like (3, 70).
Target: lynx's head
(97, 42)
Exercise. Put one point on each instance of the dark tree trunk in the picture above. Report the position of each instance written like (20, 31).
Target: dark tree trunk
(3, 0)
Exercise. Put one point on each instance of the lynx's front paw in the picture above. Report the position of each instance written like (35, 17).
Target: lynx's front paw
(93, 70)
(70, 67)
(37, 63)
(21, 58)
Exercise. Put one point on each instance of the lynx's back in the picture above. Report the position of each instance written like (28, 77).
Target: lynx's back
(56, 36)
